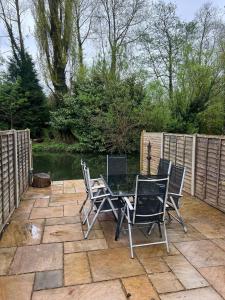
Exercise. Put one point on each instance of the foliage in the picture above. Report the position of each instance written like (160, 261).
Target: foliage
(102, 113)
(22, 101)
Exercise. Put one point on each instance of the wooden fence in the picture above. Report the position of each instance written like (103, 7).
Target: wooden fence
(202, 155)
(15, 165)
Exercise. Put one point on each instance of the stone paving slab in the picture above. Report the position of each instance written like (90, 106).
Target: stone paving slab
(197, 294)
(165, 282)
(6, 257)
(16, 287)
(63, 220)
(113, 263)
(46, 212)
(37, 258)
(86, 245)
(134, 292)
(185, 272)
(48, 280)
(108, 290)
(76, 269)
(154, 264)
(216, 277)
(22, 232)
(62, 233)
(202, 253)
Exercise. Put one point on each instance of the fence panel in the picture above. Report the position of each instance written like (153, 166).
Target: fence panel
(210, 170)
(14, 170)
(202, 155)
(179, 149)
(155, 140)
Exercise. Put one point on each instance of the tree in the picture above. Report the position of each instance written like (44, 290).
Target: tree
(54, 23)
(162, 44)
(83, 14)
(119, 21)
(23, 102)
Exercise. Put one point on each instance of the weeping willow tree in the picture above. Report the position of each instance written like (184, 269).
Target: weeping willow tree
(54, 23)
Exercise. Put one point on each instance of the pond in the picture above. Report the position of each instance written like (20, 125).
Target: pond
(67, 166)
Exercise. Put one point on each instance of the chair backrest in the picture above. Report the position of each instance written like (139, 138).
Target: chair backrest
(164, 167)
(150, 199)
(116, 165)
(83, 167)
(176, 179)
(88, 180)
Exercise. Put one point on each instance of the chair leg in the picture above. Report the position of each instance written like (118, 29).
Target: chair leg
(151, 228)
(166, 239)
(179, 217)
(121, 215)
(160, 231)
(87, 215)
(83, 204)
(130, 233)
(94, 219)
(113, 208)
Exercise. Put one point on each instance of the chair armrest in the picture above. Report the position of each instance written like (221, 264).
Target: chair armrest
(174, 194)
(100, 196)
(98, 187)
(96, 179)
(126, 199)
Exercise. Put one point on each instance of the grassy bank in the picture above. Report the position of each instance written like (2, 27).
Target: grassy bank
(51, 146)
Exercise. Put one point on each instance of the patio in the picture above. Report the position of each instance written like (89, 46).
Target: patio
(44, 256)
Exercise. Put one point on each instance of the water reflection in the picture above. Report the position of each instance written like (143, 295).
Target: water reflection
(67, 166)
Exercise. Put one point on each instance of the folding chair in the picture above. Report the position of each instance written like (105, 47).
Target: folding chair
(116, 165)
(164, 167)
(93, 182)
(149, 207)
(100, 201)
(175, 194)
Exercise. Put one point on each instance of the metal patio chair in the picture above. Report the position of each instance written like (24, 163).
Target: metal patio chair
(164, 167)
(93, 182)
(116, 165)
(148, 208)
(101, 201)
(176, 184)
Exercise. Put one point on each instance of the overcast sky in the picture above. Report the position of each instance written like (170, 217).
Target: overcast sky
(186, 9)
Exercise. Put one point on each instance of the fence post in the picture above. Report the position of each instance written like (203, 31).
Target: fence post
(141, 150)
(162, 145)
(30, 158)
(193, 165)
(15, 161)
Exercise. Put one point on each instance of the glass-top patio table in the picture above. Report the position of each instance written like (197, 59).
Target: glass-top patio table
(123, 185)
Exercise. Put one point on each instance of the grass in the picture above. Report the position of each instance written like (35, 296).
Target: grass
(53, 146)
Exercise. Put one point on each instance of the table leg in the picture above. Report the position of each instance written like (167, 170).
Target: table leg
(118, 224)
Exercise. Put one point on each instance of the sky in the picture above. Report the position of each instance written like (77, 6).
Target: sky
(186, 9)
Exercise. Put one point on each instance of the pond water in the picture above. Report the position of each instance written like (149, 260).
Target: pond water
(67, 166)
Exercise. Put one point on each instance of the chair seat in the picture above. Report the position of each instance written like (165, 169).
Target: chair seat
(117, 203)
(147, 219)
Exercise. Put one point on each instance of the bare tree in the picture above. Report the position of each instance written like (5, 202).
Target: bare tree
(208, 26)
(11, 14)
(120, 20)
(162, 43)
(83, 15)
(54, 22)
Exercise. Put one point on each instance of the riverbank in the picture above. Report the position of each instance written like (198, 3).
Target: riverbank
(54, 147)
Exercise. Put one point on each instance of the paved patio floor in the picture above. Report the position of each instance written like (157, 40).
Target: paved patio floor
(43, 255)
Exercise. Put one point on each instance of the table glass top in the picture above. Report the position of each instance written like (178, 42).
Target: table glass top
(123, 184)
